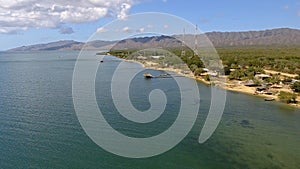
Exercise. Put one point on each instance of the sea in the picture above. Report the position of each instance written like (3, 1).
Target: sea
(39, 127)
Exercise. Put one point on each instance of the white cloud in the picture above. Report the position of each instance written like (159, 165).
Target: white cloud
(141, 30)
(126, 29)
(125, 7)
(18, 15)
(101, 30)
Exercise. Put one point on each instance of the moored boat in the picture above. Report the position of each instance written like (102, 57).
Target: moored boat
(148, 75)
(269, 99)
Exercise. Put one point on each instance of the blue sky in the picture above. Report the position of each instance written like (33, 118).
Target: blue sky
(26, 22)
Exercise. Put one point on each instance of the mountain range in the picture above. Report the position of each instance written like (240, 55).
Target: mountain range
(277, 37)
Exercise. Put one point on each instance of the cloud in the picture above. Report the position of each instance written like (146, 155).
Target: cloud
(124, 10)
(101, 30)
(66, 30)
(16, 15)
(126, 29)
(286, 7)
(141, 30)
(166, 26)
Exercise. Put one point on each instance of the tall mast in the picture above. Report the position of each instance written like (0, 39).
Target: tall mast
(196, 41)
(183, 43)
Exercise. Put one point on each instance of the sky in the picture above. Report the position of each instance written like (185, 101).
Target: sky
(27, 22)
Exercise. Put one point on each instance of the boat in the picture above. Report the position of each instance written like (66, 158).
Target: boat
(277, 86)
(269, 99)
(268, 93)
(148, 75)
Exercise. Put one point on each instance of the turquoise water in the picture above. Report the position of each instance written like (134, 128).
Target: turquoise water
(39, 127)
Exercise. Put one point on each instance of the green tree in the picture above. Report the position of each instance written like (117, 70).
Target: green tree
(198, 71)
(227, 70)
(274, 79)
(287, 97)
(296, 86)
(207, 78)
(193, 67)
(237, 74)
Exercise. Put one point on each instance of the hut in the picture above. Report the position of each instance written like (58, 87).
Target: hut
(261, 88)
(262, 76)
(250, 83)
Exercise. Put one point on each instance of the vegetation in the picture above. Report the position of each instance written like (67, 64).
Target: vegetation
(189, 58)
(282, 59)
(246, 62)
(296, 87)
(287, 97)
(244, 73)
(198, 71)
(206, 77)
(274, 79)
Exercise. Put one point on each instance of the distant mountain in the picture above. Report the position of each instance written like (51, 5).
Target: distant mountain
(278, 37)
(148, 42)
(274, 37)
(283, 36)
(60, 45)
(64, 45)
(99, 45)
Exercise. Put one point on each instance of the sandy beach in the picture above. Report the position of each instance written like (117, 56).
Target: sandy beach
(230, 85)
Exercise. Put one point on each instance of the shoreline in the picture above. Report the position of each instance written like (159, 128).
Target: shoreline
(228, 86)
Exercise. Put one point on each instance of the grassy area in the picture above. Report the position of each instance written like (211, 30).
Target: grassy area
(287, 97)
(282, 59)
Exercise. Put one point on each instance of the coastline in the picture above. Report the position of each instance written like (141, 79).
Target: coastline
(229, 85)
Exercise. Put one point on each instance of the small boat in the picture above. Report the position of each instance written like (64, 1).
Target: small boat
(277, 86)
(148, 75)
(268, 93)
(269, 99)
(101, 61)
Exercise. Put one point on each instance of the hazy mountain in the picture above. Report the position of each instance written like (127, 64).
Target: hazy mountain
(279, 37)
(283, 36)
(274, 37)
(148, 42)
(59, 45)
